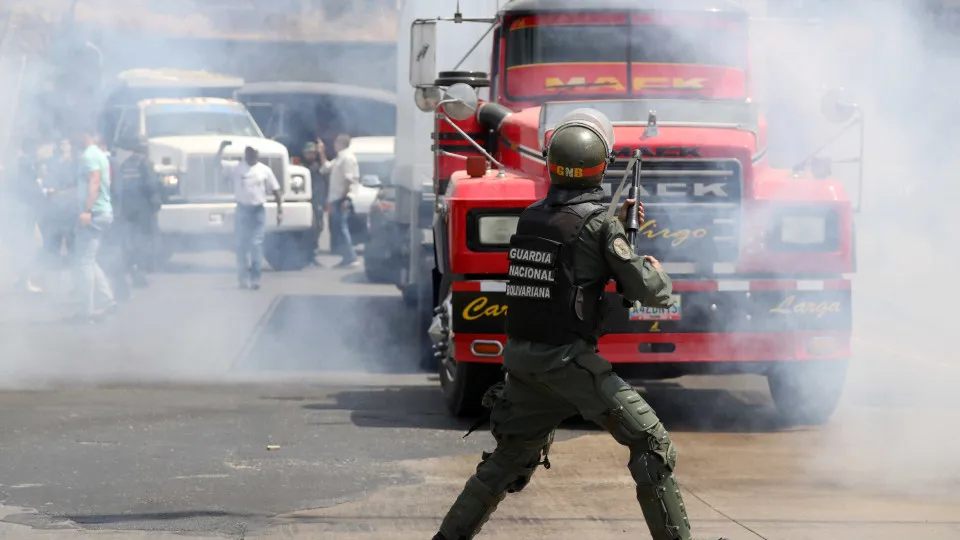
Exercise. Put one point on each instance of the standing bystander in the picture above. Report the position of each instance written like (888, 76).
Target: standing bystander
(251, 182)
(95, 216)
(319, 188)
(344, 177)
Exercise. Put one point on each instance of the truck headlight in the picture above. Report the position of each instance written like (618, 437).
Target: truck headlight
(170, 180)
(496, 230)
(298, 184)
(806, 231)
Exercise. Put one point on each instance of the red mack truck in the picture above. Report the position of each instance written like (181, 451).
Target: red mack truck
(760, 257)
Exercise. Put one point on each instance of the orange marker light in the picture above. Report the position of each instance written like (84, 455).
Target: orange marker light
(476, 166)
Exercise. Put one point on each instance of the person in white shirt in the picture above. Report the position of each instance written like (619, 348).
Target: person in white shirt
(252, 181)
(344, 179)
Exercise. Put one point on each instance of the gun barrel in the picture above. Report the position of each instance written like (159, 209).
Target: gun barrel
(632, 225)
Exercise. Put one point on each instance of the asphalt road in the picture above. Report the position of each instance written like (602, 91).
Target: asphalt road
(297, 411)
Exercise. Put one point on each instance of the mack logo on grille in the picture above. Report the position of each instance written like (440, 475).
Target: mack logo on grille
(682, 181)
(661, 152)
(687, 190)
(693, 208)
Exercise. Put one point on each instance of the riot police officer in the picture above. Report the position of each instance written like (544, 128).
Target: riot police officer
(563, 254)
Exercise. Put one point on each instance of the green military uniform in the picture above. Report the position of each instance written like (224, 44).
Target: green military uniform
(561, 375)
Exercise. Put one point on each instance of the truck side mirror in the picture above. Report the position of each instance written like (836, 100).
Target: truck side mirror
(427, 98)
(460, 101)
(838, 106)
(423, 53)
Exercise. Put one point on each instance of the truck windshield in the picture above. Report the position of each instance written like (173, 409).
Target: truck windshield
(666, 55)
(185, 120)
(378, 164)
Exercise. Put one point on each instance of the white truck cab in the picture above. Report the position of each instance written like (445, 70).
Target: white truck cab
(193, 135)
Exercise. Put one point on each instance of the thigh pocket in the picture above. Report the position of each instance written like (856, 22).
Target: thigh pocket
(594, 363)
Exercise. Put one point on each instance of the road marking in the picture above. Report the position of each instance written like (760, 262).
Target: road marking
(255, 334)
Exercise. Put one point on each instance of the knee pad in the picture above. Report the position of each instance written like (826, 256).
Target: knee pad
(633, 420)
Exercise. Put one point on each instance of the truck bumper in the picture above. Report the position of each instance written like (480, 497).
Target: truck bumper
(220, 218)
(733, 322)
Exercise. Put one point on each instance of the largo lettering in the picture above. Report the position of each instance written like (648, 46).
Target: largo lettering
(790, 306)
(673, 83)
(481, 307)
(677, 237)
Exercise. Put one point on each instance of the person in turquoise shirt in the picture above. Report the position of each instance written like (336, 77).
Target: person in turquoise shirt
(96, 215)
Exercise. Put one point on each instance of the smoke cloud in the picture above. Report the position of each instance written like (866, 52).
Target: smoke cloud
(894, 58)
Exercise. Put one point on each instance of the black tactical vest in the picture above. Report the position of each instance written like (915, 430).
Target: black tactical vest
(128, 190)
(543, 303)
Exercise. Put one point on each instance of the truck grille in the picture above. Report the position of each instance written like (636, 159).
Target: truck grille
(203, 180)
(692, 208)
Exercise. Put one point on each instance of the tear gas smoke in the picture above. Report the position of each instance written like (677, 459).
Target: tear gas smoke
(891, 431)
(900, 393)
(168, 333)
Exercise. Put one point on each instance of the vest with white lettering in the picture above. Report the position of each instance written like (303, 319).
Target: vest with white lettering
(544, 304)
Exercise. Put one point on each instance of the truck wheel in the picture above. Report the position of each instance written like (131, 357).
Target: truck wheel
(807, 392)
(464, 383)
(288, 251)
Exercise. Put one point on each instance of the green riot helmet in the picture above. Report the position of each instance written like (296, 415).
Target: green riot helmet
(579, 149)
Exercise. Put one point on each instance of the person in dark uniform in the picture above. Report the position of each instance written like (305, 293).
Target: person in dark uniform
(61, 217)
(563, 254)
(138, 192)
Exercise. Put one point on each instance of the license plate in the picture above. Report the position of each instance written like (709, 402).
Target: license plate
(645, 313)
(216, 219)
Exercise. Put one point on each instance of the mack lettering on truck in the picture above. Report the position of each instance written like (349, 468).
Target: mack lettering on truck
(531, 256)
(677, 190)
(538, 292)
(531, 273)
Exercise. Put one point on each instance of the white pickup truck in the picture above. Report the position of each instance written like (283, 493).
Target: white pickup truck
(184, 136)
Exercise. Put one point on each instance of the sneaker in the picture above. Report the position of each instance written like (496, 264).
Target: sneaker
(348, 264)
(255, 286)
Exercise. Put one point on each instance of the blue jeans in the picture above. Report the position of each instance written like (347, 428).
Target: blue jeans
(340, 230)
(251, 227)
(91, 283)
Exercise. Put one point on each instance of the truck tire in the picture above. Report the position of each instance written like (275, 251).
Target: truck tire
(379, 270)
(464, 383)
(807, 392)
(288, 251)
